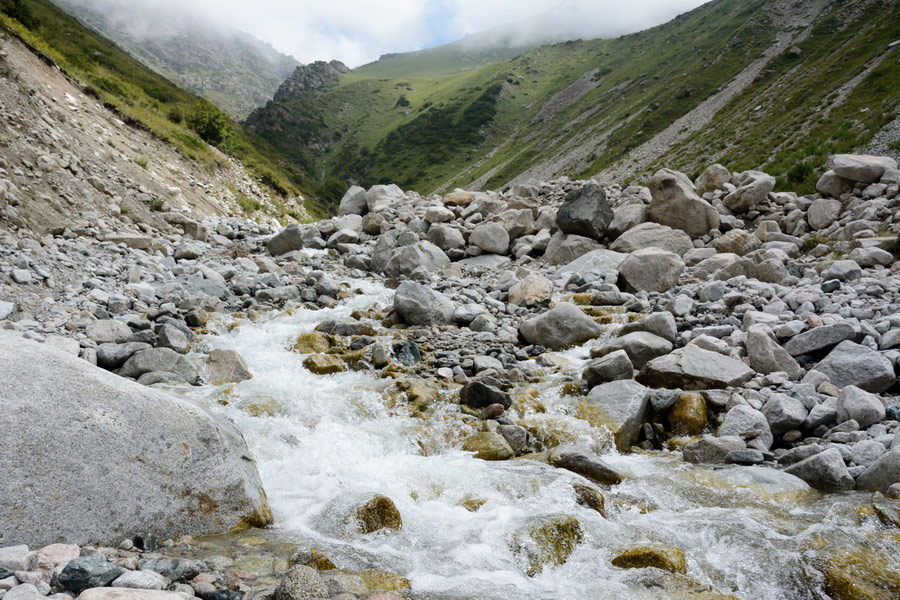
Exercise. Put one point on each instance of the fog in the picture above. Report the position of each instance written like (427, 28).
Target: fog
(358, 31)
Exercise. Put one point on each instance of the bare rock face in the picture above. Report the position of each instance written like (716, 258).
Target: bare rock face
(677, 205)
(90, 441)
(308, 79)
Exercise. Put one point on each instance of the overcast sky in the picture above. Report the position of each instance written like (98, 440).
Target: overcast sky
(359, 31)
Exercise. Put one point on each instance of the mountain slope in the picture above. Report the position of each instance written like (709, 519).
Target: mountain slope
(734, 80)
(231, 68)
(144, 99)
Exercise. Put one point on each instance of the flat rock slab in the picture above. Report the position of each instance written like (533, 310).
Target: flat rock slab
(111, 457)
(693, 368)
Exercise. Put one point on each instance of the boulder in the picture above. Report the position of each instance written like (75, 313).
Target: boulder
(446, 237)
(626, 217)
(585, 212)
(163, 360)
(459, 197)
(620, 407)
(822, 213)
(595, 261)
(743, 419)
(301, 583)
(653, 235)
(688, 416)
(677, 205)
(354, 202)
(660, 323)
(862, 168)
(530, 291)
(819, 338)
(88, 572)
(409, 258)
(749, 196)
(227, 366)
(563, 326)
(585, 464)
(842, 270)
(88, 430)
(861, 406)
(767, 356)
(824, 471)
(490, 237)
(323, 364)
(667, 558)
(477, 394)
(488, 445)
(854, 364)
(288, 240)
(564, 248)
(712, 449)
(651, 270)
(379, 197)
(712, 179)
(128, 594)
(883, 473)
(612, 367)
(640, 346)
(378, 513)
(108, 331)
(738, 241)
(832, 185)
(420, 305)
(694, 368)
(784, 413)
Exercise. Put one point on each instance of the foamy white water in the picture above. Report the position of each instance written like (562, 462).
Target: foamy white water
(332, 442)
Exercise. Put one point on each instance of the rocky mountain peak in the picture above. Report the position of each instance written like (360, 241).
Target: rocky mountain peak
(308, 79)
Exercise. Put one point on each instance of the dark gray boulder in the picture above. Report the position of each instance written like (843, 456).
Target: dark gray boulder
(585, 212)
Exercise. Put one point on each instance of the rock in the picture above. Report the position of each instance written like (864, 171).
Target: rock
(323, 364)
(140, 580)
(459, 197)
(743, 419)
(676, 204)
(14, 558)
(651, 269)
(202, 484)
(490, 237)
(853, 364)
(693, 368)
(824, 471)
(749, 196)
(866, 409)
(160, 359)
(419, 255)
(881, 474)
(585, 495)
(420, 305)
(446, 237)
(477, 395)
(784, 413)
(531, 291)
(712, 449)
(861, 573)
(620, 407)
(624, 218)
(653, 235)
(612, 367)
(712, 179)
(767, 356)
(738, 241)
(819, 338)
(661, 324)
(227, 366)
(585, 212)
(563, 326)
(25, 591)
(354, 202)
(301, 583)
(871, 257)
(688, 416)
(548, 541)
(6, 309)
(640, 346)
(831, 184)
(667, 558)
(565, 248)
(380, 197)
(171, 568)
(168, 336)
(288, 240)
(584, 464)
(842, 270)
(345, 327)
(113, 356)
(128, 594)
(108, 331)
(488, 446)
(866, 452)
(88, 572)
(823, 212)
(596, 261)
(860, 167)
(378, 513)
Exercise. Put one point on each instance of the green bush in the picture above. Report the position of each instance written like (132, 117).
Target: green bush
(208, 121)
(20, 11)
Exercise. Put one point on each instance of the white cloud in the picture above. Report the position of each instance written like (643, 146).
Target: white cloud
(358, 31)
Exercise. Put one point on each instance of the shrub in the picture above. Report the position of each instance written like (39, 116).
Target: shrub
(208, 121)
(20, 11)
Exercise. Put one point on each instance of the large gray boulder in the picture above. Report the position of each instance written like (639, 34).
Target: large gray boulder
(694, 368)
(854, 364)
(380, 197)
(653, 235)
(585, 212)
(861, 406)
(421, 305)
(563, 326)
(96, 458)
(832, 185)
(712, 449)
(564, 248)
(822, 213)
(446, 237)
(595, 261)
(409, 258)
(750, 195)
(490, 237)
(861, 167)
(660, 323)
(881, 474)
(767, 356)
(743, 419)
(784, 413)
(612, 367)
(824, 471)
(651, 270)
(354, 202)
(288, 240)
(819, 338)
(160, 360)
(713, 178)
(677, 205)
(640, 346)
(619, 406)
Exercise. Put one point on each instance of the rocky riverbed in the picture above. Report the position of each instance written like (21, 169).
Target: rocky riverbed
(567, 389)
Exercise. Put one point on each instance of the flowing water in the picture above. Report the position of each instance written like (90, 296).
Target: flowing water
(327, 444)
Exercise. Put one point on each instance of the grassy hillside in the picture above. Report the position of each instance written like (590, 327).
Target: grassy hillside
(431, 121)
(145, 98)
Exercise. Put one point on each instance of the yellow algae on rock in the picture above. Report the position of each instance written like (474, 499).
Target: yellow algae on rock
(323, 364)
(667, 558)
(378, 513)
(688, 416)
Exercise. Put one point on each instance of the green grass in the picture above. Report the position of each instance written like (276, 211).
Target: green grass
(145, 98)
(141, 162)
